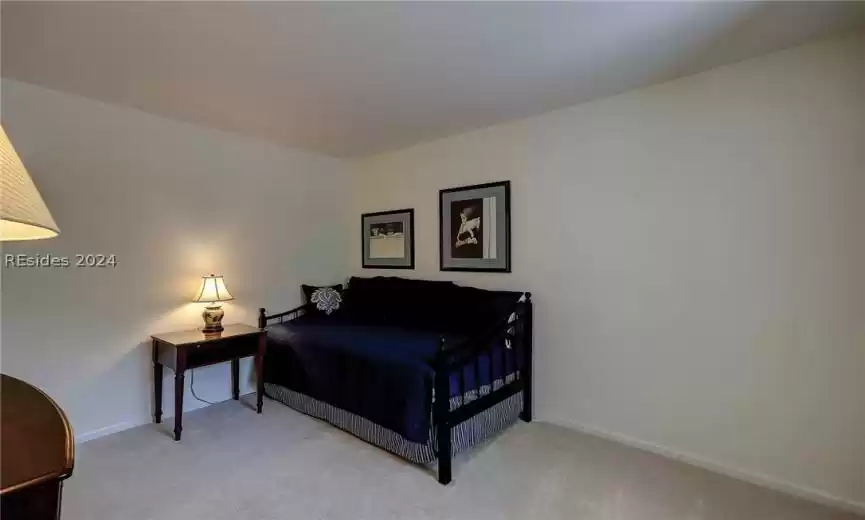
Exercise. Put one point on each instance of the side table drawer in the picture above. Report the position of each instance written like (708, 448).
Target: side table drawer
(220, 351)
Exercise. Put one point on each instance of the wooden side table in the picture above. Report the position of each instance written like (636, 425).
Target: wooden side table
(189, 349)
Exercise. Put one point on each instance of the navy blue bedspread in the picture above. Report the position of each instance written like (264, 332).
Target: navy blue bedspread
(381, 373)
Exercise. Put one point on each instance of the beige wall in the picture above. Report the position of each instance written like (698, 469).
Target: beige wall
(173, 201)
(697, 255)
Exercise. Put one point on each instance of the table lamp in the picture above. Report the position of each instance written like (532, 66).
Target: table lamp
(23, 214)
(212, 290)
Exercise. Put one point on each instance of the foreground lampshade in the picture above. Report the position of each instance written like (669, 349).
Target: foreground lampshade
(212, 290)
(23, 214)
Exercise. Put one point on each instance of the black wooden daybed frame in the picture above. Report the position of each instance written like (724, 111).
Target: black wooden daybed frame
(515, 328)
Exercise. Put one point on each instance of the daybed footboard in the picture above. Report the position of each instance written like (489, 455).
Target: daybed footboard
(515, 333)
(297, 312)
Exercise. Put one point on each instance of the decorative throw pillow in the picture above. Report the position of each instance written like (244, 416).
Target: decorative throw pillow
(325, 299)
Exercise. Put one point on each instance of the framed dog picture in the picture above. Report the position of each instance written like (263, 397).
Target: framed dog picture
(388, 239)
(475, 228)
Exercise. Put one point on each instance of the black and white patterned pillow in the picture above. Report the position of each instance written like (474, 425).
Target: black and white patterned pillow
(325, 299)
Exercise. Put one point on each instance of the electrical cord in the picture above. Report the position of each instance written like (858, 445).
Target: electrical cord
(192, 388)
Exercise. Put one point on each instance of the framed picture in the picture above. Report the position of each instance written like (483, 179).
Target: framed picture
(388, 239)
(475, 228)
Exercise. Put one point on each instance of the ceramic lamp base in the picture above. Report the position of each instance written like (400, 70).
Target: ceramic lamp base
(212, 318)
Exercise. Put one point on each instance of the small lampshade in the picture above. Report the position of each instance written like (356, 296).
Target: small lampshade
(212, 290)
(23, 214)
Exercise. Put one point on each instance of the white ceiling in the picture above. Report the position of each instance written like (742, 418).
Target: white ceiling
(350, 79)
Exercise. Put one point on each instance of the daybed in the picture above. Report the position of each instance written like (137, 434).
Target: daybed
(377, 365)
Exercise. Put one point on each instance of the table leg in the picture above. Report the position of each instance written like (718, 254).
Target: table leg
(259, 371)
(235, 379)
(157, 392)
(178, 403)
(157, 385)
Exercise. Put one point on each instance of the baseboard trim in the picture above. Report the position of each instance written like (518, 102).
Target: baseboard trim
(813, 495)
(102, 432)
(192, 406)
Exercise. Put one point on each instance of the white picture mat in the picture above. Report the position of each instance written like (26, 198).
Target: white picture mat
(387, 247)
(489, 222)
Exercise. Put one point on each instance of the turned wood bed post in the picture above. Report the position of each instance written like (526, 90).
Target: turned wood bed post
(262, 318)
(441, 410)
(526, 414)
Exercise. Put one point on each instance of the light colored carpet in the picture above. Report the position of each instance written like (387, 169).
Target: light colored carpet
(234, 464)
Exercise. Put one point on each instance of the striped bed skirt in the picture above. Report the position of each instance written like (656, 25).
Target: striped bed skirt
(463, 436)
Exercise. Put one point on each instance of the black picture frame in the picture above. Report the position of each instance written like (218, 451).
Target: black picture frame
(476, 198)
(401, 221)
